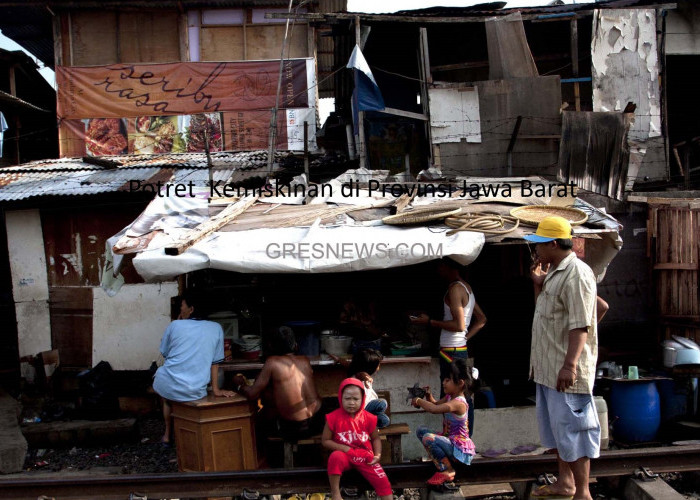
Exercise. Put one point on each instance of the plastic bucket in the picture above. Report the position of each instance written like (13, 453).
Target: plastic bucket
(307, 335)
(602, 408)
(637, 409)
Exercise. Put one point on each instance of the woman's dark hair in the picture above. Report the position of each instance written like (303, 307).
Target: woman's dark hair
(565, 243)
(460, 371)
(282, 341)
(194, 299)
(365, 360)
(452, 264)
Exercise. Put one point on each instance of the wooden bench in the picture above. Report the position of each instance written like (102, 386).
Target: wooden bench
(390, 434)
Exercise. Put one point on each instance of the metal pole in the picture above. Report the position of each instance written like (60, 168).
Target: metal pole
(360, 114)
(273, 118)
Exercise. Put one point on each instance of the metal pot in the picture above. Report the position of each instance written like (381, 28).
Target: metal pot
(670, 357)
(338, 345)
(687, 357)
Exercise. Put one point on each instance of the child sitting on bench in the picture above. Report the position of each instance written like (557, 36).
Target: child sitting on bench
(364, 365)
(454, 442)
(351, 434)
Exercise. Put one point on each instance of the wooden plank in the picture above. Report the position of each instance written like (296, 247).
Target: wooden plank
(70, 311)
(425, 55)
(148, 36)
(574, 61)
(688, 266)
(93, 37)
(183, 38)
(536, 137)
(206, 228)
(221, 43)
(696, 253)
(264, 41)
(405, 114)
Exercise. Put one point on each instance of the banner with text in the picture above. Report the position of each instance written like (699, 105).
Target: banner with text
(183, 107)
(130, 90)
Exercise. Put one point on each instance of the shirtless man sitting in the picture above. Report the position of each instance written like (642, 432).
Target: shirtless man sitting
(294, 393)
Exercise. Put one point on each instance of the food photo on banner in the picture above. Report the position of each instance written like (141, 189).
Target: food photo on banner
(178, 107)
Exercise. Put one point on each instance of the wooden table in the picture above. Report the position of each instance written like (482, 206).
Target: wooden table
(215, 434)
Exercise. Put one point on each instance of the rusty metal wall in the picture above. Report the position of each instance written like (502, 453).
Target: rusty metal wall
(74, 240)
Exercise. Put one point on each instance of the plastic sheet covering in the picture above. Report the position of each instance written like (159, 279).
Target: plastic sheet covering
(312, 250)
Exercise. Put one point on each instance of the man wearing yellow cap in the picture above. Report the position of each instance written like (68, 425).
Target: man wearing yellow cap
(563, 357)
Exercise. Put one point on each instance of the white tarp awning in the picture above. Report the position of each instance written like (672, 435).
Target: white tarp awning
(312, 249)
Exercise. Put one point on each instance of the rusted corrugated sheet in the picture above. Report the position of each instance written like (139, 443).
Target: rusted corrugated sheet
(73, 176)
(593, 152)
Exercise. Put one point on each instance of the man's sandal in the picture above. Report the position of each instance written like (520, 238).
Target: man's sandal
(440, 478)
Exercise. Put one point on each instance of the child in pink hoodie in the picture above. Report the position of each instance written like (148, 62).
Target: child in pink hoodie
(351, 433)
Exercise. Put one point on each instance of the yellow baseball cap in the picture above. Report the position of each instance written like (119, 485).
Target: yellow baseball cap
(549, 229)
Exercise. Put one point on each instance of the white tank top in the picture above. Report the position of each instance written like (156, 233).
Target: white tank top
(457, 339)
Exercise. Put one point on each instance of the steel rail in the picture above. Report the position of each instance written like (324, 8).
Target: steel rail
(306, 480)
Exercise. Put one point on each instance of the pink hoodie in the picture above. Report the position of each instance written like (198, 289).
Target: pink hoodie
(352, 430)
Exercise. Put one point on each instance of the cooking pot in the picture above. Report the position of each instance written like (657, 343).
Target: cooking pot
(337, 345)
(670, 354)
(687, 357)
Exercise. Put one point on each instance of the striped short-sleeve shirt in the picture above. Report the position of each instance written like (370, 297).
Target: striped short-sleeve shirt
(567, 302)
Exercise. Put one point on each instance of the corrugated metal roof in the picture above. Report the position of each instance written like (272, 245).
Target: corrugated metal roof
(74, 176)
(493, 9)
(16, 102)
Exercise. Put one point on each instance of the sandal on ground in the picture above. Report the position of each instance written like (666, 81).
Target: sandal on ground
(545, 492)
(440, 478)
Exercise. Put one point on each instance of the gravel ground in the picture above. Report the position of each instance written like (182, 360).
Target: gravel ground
(143, 456)
(147, 455)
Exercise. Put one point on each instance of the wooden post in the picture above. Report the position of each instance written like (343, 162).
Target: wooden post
(511, 144)
(17, 124)
(360, 114)
(574, 61)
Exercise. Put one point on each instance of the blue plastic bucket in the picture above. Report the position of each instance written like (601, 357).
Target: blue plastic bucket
(636, 409)
(307, 335)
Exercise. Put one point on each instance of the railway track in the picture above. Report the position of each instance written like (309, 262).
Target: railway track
(307, 480)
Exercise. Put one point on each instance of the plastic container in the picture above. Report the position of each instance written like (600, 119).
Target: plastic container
(636, 406)
(602, 408)
(405, 349)
(307, 335)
